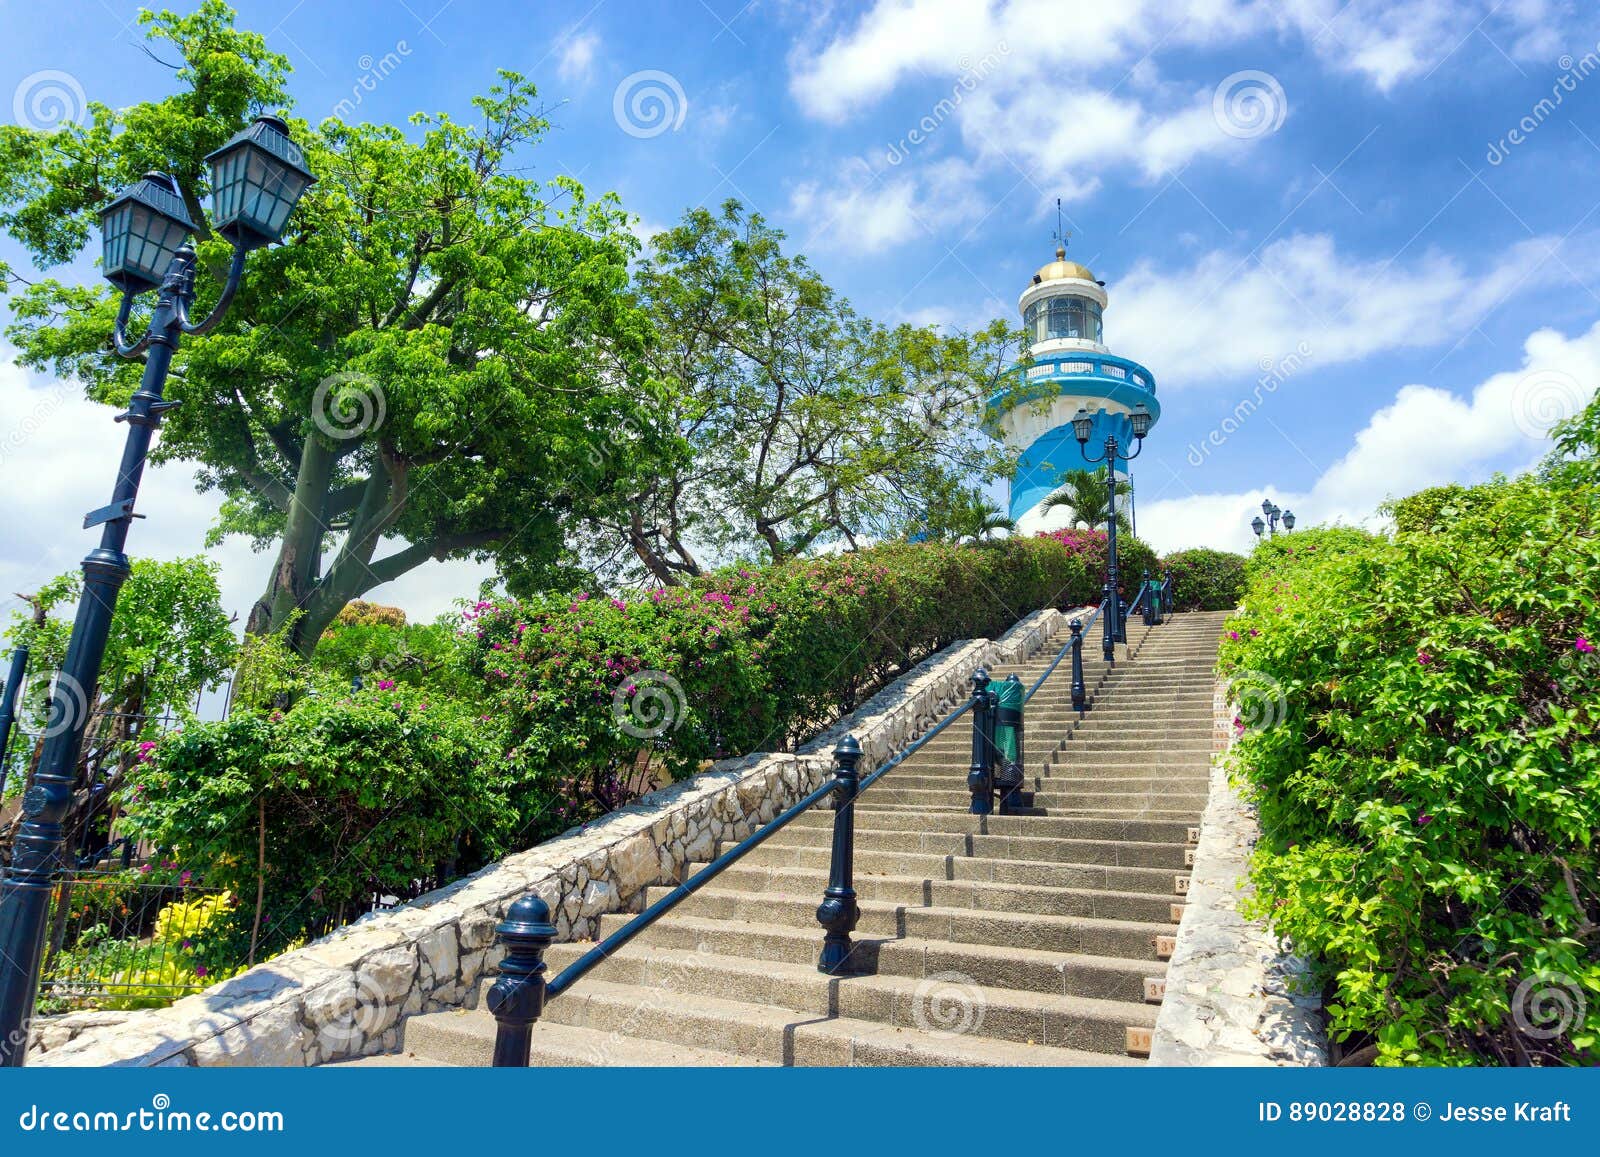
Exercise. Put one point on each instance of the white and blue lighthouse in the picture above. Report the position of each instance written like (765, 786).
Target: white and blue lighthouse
(1071, 369)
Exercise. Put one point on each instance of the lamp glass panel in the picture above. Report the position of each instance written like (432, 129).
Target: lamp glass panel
(153, 238)
(227, 191)
(114, 238)
(270, 192)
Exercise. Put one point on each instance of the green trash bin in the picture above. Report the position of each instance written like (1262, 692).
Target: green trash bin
(1008, 745)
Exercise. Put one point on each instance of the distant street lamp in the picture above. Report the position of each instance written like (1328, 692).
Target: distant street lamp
(1082, 427)
(1273, 513)
(256, 179)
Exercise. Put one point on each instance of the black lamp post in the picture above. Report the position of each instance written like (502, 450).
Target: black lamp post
(1082, 427)
(256, 179)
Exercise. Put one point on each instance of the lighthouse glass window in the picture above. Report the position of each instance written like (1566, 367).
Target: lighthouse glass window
(1064, 317)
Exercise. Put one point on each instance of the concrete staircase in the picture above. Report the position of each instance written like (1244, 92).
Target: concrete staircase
(1036, 939)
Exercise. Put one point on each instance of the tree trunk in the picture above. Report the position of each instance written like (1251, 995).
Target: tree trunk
(300, 552)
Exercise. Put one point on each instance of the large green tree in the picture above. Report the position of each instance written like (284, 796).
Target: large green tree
(807, 424)
(425, 366)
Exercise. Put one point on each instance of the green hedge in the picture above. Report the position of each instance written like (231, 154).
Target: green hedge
(1205, 580)
(749, 659)
(1421, 715)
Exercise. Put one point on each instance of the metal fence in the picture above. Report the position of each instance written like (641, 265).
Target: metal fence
(118, 941)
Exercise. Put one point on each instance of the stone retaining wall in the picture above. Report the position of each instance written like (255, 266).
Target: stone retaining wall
(345, 995)
(1235, 995)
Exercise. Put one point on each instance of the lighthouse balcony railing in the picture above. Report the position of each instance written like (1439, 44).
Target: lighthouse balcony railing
(1069, 363)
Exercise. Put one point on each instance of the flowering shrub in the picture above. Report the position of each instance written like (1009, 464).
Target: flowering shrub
(1134, 559)
(187, 951)
(353, 794)
(748, 659)
(1420, 737)
(1205, 580)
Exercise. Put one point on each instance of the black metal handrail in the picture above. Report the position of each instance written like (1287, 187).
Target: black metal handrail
(1074, 643)
(602, 951)
(518, 996)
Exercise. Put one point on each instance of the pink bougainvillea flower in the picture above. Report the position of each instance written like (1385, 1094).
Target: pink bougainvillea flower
(199, 969)
(1583, 646)
(1424, 658)
(1423, 819)
(1234, 635)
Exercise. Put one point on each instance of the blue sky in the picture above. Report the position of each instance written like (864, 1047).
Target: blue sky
(1324, 194)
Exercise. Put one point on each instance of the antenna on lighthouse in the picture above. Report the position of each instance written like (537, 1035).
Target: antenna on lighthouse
(1061, 235)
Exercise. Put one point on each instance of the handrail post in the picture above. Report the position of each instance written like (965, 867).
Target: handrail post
(1109, 613)
(980, 780)
(8, 706)
(1008, 745)
(1148, 595)
(1080, 693)
(516, 1000)
(839, 911)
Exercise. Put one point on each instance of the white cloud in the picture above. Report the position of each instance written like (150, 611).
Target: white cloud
(1425, 437)
(1390, 42)
(1068, 97)
(578, 54)
(1231, 312)
(1386, 41)
(861, 210)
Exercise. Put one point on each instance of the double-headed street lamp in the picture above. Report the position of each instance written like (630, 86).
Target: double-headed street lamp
(256, 179)
(1082, 427)
(1273, 512)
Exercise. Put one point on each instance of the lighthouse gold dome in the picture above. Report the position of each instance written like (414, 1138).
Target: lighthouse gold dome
(1062, 269)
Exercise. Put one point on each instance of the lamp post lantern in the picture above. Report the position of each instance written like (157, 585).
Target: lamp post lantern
(1082, 426)
(256, 179)
(1274, 514)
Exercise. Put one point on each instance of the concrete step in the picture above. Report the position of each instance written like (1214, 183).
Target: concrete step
(937, 891)
(1007, 1013)
(1066, 777)
(925, 865)
(994, 966)
(466, 1037)
(1095, 936)
(870, 817)
(784, 1036)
